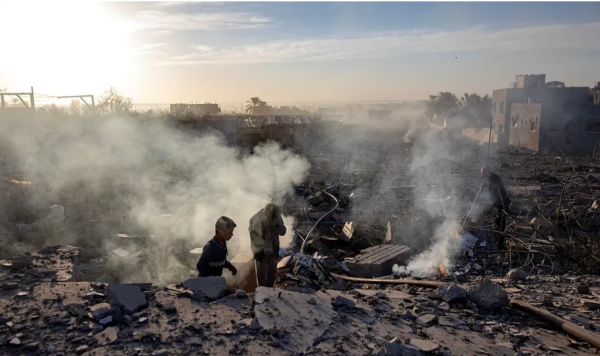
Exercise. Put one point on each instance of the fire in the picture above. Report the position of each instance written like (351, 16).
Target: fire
(442, 270)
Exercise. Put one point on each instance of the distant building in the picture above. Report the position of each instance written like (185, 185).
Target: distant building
(196, 109)
(539, 115)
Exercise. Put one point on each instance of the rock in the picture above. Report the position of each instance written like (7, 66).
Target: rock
(32, 346)
(293, 313)
(425, 319)
(22, 262)
(343, 302)
(241, 294)
(424, 345)
(452, 294)
(488, 295)
(15, 342)
(161, 352)
(105, 278)
(515, 275)
(102, 310)
(396, 349)
(81, 349)
(107, 336)
(212, 288)
(583, 289)
(129, 297)
(109, 319)
(590, 304)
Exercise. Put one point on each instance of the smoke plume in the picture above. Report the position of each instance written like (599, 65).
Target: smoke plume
(140, 177)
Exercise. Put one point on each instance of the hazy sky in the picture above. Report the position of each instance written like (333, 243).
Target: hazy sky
(171, 51)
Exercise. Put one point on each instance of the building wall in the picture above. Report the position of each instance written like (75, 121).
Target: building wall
(502, 101)
(525, 125)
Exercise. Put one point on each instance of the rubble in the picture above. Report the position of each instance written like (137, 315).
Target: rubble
(211, 288)
(488, 295)
(516, 275)
(129, 298)
(378, 261)
(453, 294)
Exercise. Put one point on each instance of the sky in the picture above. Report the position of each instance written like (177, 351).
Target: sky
(292, 52)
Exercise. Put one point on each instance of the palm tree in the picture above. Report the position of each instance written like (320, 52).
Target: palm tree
(253, 104)
(477, 109)
(441, 104)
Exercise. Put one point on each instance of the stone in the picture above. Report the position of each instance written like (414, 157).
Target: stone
(590, 304)
(22, 262)
(343, 302)
(488, 295)
(161, 352)
(9, 286)
(15, 341)
(107, 320)
(108, 336)
(452, 294)
(82, 349)
(396, 349)
(425, 319)
(102, 310)
(583, 289)
(424, 345)
(276, 309)
(212, 288)
(129, 298)
(516, 275)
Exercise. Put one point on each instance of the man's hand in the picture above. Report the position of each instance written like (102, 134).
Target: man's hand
(233, 270)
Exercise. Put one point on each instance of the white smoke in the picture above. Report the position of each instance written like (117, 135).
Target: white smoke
(164, 181)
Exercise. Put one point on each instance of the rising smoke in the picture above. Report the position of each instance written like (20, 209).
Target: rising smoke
(441, 170)
(148, 178)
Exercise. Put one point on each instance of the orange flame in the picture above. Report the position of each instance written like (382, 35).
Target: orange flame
(442, 270)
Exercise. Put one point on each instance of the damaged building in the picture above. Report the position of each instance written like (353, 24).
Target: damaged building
(540, 116)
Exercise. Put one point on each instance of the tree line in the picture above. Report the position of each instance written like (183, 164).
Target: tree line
(473, 107)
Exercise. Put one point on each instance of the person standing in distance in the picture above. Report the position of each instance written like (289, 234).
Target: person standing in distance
(265, 228)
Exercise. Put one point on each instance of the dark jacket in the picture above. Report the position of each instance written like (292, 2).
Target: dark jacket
(264, 234)
(213, 259)
(498, 192)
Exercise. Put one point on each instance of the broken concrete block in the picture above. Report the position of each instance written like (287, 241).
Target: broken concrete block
(294, 312)
(378, 261)
(488, 295)
(452, 294)
(129, 297)
(212, 288)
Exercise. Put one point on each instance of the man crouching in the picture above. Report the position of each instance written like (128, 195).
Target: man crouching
(265, 228)
(214, 255)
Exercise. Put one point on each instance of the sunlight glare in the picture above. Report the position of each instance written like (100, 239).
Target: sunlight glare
(65, 46)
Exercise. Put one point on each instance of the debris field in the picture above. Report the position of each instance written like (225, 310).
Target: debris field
(360, 213)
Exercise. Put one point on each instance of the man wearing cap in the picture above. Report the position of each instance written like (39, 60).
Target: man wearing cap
(214, 255)
(500, 201)
(265, 228)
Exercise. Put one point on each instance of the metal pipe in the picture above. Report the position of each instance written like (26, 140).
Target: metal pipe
(560, 323)
(429, 284)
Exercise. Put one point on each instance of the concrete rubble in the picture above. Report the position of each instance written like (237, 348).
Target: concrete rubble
(66, 300)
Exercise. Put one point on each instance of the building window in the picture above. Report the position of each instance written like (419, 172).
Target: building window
(514, 121)
(501, 109)
(532, 125)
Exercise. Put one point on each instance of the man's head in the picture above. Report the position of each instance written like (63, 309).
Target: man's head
(486, 172)
(224, 228)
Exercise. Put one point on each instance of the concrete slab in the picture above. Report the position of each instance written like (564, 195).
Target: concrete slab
(378, 261)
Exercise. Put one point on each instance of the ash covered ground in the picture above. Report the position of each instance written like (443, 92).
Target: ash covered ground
(110, 278)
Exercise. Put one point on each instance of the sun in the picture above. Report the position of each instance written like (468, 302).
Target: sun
(64, 46)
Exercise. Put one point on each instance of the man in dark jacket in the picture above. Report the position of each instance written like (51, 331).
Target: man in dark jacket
(265, 228)
(214, 255)
(500, 201)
